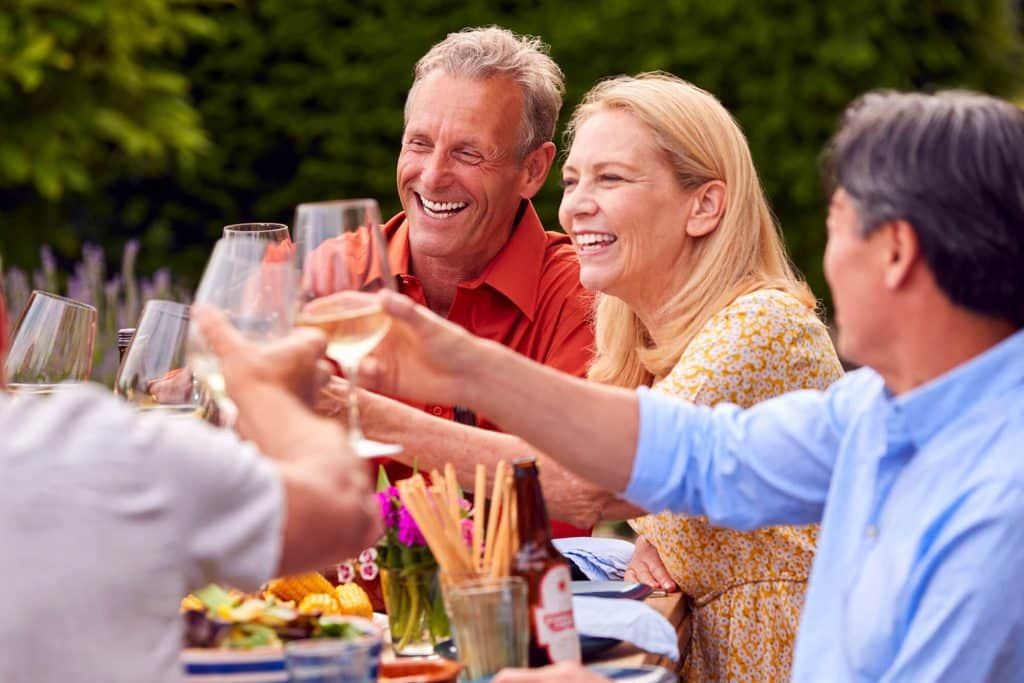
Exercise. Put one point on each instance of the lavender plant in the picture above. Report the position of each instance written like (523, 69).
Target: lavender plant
(118, 300)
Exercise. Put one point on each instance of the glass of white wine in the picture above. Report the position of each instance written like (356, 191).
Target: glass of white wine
(344, 260)
(256, 287)
(276, 233)
(52, 343)
(154, 375)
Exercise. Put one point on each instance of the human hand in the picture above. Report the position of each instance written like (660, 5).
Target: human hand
(175, 387)
(423, 357)
(564, 672)
(647, 568)
(293, 363)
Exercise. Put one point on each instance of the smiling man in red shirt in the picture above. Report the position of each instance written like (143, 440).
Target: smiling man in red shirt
(477, 146)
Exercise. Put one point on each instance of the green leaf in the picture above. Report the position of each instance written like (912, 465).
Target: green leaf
(383, 483)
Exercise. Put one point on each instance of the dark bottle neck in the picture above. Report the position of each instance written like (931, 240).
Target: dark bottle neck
(532, 514)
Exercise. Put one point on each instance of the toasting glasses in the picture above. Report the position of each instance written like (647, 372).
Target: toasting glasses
(255, 286)
(154, 375)
(343, 258)
(52, 343)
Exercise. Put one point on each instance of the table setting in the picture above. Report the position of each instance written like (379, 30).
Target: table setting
(455, 579)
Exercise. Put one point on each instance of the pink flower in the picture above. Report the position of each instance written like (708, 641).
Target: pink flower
(346, 572)
(408, 532)
(467, 531)
(368, 555)
(387, 499)
(368, 571)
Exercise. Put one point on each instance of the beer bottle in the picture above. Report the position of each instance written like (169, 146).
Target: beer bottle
(553, 635)
(124, 338)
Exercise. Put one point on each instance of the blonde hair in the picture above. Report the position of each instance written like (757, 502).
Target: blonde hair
(492, 51)
(701, 142)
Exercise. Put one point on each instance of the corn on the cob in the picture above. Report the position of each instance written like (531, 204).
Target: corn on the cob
(320, 602)
(191, 602)
(297, 587)
(353, 600)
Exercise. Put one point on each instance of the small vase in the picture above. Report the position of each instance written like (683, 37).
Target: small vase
(416, 613)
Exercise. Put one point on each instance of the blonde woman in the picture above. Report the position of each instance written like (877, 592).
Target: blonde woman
(697, 299)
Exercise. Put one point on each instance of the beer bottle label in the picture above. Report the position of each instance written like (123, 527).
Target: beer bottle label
(556, 629)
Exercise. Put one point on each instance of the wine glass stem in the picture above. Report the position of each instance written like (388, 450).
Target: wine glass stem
(355, 432)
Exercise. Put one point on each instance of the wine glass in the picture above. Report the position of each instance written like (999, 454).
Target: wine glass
(52, 343)
(275, 233)
(256, 287)
(344, 259)
(154, 375)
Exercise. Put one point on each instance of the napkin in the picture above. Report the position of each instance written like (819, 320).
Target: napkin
(601, 559)
(629, 620)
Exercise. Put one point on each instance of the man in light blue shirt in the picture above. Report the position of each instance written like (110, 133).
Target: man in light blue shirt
(914, 466)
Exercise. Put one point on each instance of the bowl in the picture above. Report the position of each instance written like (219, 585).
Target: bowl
(258, 665)
(419, 671)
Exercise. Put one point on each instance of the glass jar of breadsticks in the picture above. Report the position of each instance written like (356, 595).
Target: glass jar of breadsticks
(486, 606)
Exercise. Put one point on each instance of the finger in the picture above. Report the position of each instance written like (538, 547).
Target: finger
(643, 574)
(661, 576)
(324, 373)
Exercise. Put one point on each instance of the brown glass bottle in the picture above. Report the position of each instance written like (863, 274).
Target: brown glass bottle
(124, 338)
(553, 635)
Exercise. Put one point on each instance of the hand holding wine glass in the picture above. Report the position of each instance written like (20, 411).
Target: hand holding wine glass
(256, 290)
(344, 261)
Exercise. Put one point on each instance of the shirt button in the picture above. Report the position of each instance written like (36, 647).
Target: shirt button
(871, 531)
(437, 410)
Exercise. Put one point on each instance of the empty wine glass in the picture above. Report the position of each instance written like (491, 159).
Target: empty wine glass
(52, 343)
(255, 286)
(154, 374)
(275, 233)
(344, 259)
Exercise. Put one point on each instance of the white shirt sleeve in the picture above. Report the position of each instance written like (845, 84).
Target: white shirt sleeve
(229, 500)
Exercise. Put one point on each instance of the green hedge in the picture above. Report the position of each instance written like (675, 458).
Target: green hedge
(297, 100)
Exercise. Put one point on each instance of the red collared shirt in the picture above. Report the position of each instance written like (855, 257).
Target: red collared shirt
(529, 298)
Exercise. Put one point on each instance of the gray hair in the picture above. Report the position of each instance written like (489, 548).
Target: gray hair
(482, 53)
(952, 166)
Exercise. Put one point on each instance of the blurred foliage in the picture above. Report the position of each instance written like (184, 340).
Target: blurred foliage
(164, 120)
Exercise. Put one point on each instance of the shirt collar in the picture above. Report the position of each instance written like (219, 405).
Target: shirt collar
(932, 406)
(514, 271)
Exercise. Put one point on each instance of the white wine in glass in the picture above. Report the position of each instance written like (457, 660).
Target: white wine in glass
(52, 343)
(255, 286)
(344, 261)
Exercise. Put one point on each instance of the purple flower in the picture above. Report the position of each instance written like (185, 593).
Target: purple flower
(408, 532)
(388, 510)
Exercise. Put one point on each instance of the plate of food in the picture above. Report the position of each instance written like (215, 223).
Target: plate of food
(238, 637)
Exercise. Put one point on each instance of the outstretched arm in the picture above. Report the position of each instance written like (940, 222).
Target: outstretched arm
(583, 423)
(431, 442)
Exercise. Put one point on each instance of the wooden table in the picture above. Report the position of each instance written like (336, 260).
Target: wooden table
(674, 608)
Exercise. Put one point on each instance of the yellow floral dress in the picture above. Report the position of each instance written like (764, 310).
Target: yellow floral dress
(747, 588)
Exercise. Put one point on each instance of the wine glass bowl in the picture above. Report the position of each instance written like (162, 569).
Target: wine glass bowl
(52, 343)
(154, 375)
(344, 260)
(255, 286)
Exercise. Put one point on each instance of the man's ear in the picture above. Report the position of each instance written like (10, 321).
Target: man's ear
(707, 205)
(535, 169)
(901, 251)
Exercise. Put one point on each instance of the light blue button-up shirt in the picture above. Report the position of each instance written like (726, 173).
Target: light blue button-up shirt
(919, 574)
